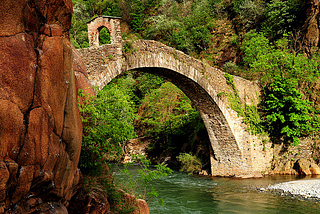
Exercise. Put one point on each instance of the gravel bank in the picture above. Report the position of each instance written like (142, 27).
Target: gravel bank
(306, 189)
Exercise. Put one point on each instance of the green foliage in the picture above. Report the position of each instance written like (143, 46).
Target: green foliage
(137, 15)
(268, 61)
(236, 104)
(169, 117)
(254, 120)
(190, 163)
(146, 175)
(253, 46)
(187, 29)
(104, 36)
(230, 81)
(233, 98)
(281, 17)
(78, 30)
(108, 123)
(230, 67)
(146, 83)
(101, 7)
(286, 113)
(250, 12)
(127, 47)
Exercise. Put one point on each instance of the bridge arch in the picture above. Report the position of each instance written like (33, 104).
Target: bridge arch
(194, 78)
(232, 152)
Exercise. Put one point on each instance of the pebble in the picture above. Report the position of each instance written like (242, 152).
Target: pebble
(307, 189)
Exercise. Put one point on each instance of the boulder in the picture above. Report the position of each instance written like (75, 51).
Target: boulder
(315, 169)
(143, 207)
(303, 167)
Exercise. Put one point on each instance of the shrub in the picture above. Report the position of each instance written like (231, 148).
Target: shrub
(107, 123)
(104, 36)
(142, 184)
(268, 60)
(286, 113)
(230, 67)
(190, 163)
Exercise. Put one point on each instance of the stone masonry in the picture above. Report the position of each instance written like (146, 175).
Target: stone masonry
(96, 24)
(235, 152)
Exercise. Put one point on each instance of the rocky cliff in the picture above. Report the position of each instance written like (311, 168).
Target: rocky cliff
(40, 127)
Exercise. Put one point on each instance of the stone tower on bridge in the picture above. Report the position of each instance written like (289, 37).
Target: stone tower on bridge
(99, 22)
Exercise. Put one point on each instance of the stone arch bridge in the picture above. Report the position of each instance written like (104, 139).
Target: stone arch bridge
(234, 152)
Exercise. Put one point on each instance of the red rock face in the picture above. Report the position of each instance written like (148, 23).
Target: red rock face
(311, 28)
(40, 127)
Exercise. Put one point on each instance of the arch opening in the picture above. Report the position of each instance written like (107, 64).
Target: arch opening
(104, 36)
(166, 122)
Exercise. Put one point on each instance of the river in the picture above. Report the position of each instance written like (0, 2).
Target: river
(183, 193)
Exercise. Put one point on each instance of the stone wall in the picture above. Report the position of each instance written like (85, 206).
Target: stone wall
(234, 151)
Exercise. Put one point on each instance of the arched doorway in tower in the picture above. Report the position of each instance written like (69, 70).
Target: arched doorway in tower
(104, 36)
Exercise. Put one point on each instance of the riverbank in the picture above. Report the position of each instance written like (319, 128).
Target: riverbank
(303, 189)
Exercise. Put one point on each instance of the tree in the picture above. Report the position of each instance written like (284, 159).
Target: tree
(269, 60)
(281, 17)
(108, 124)
(286, 113)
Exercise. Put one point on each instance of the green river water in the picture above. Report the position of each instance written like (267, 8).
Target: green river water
(183, 193)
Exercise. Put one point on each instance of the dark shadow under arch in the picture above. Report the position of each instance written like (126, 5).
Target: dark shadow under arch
(160, 155)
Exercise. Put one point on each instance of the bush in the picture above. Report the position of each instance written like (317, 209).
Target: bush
(107, 123)
(230, 67)
(267, 60)
(190, 163)
(286, 113)
(142, 185)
